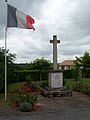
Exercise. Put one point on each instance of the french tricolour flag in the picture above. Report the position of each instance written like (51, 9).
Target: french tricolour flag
(16, 18)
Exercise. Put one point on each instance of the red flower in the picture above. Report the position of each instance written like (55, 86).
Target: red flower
(27, 89)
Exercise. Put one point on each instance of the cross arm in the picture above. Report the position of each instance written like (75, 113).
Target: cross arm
(51, 41)
(58, 41)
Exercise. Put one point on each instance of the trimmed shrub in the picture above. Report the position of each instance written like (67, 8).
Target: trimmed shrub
(44, 83)
(29, 82)
(25, 107)
(68, 73)
(35, 75)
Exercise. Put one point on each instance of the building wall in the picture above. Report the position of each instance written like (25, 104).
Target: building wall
(65, 67)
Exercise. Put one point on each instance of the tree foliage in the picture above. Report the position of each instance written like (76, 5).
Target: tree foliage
(10, 68)
(38, 70)
(83, 64)
(40, 64)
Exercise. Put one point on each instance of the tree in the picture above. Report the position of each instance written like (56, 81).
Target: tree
(83, 64)
(10, 68)
(40, 64)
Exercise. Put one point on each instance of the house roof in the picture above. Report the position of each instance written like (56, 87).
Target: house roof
(68, 63)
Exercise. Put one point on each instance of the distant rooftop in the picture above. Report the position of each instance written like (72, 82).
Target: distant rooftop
(68, 63)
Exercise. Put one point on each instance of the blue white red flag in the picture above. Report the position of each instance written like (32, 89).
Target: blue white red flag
(16, 18)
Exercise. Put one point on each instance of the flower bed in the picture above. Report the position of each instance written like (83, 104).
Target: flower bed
(24, 98)
(85, 89)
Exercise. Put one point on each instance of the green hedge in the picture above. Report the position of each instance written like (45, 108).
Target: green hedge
(35, 75)
(68, 73)
(87, 75)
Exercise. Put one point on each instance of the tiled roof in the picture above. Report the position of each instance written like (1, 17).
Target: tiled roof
(68, 63)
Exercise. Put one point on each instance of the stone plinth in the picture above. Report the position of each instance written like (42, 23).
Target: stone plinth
(55, 78)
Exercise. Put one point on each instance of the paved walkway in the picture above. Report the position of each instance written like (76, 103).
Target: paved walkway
(76, 107)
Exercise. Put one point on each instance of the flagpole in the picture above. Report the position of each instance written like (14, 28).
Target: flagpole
(5, 63)
(6, 58)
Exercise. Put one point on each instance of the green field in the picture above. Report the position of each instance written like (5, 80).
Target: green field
(71, 84)
(13, 86)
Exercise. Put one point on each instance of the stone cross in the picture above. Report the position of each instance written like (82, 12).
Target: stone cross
(54, 41)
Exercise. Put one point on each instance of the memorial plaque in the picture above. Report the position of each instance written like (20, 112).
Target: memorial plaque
(56, 79)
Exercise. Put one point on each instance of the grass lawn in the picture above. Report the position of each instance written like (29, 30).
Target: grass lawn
(41, 83)
(70, 83)
(86, 81)
(13, 86)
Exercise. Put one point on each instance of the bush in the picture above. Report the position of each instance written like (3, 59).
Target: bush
(44, 83)
(25, 107)
(31, 99)
(22, 95)
(29, 82)
(78, 86)
(68, 73)
(87, 75)
(1, 85)
(16, 98)
(64, 82)
(35, 75)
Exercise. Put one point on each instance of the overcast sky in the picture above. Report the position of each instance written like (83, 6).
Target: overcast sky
(68, 19)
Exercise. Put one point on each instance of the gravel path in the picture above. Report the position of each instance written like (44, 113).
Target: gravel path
(76, 107)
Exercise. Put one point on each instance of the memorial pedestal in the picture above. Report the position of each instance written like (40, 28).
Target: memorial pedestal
(55, 78)
(55, 87)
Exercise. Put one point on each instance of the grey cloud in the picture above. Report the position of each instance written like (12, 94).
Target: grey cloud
(70, 52)
(81, 18)
(79, 23)
(75, 36)
(31, 7)
(73, 50)
(2, 19)
(77, 42)
(2, 13)
(32, 55)
(41, 52)
(73, 29)
(2, 33)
